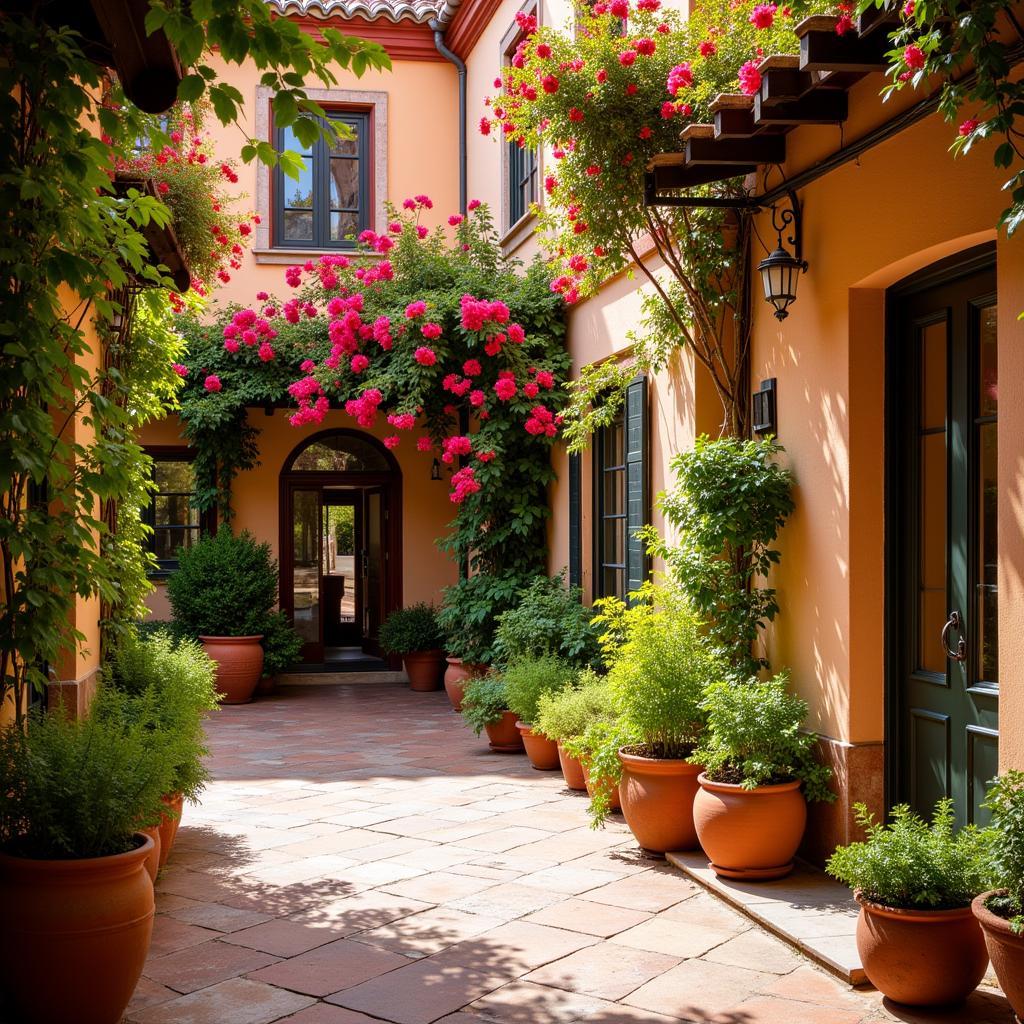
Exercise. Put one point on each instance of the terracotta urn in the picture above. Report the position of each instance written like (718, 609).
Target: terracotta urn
(572, 769)
(456, 676)
(657, 801)
(749, 834)
(239, 665)
(503, 734)
(590, 784)
(1006, 951)
(78, 932)
(921, 957)
(424, 670)
(169, 825)
(542, 752)
(153, 864)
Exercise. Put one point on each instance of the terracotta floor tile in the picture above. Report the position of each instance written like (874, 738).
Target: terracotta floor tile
(603, 970)
(326, 969)
(699, 991)
(757, 950)
(812, 985)
(772, 1010)
(578, 915)
(283, 937)
(324, 1013)
(509, 900)
(653, 890)
(439, 887)
(170, 935)
(522, 1002)
(663, 935)
(420, 935)
(514, 948)
(148, 993)
(218, 917)
(237, 1001)
(419, 993)
(568, 879)
(371, 908)
(206, 964)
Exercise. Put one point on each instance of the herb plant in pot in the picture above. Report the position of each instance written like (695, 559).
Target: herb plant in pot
(914, 881)
(282, 647)
(526, 682)
(414, 633)
(77, 901)
(564, 716)
(759, 772)
(485, 708)
(221, 594)
(659, 665)
(1001, 911)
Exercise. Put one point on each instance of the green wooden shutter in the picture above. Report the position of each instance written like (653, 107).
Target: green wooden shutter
(637, 498)
(575, 520)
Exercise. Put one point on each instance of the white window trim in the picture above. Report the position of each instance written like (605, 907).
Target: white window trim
(264, 250)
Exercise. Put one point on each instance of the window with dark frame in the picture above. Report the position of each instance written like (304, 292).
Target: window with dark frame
(522, 166)
(610, 521)
(329, 205)
(172, 515)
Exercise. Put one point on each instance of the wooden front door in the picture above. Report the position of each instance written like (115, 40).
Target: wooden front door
(944, 672)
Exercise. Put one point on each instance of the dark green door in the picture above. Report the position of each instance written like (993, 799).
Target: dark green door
(943, 627)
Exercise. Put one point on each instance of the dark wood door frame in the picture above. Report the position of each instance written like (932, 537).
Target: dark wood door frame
(960, 265)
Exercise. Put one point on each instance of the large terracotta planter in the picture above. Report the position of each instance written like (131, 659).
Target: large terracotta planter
(153, 864)
(572, 769)
(239, 665)
(266, 686)
(657, 801)
(504, 735)
(1005, 949)
(455, 678)
(169, 825)
(750, 834)
(614, 798)
(75, 934)
(542, 752)
(921, 957)
(424, 670)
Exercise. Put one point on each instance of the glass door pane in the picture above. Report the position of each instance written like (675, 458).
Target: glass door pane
(306, 563)
(373, 567)
(986, 647)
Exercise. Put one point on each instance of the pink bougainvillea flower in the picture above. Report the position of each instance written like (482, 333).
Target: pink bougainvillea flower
(425, 201)
(431, 331)
(593, 170)
(516, 334)
(464, 484)
(668, 110)
(631, 89)
(455, 220)
(707, 48)
(477, 398)
(359, 363)
(212, 383)
(619, 8)
(844, 25)
(969, 127)
(473, 204)
(422, 231)
(415, 309)
(913, 57)
(485, 126)
(908, 9)
(750, 78)
(505, 388)
(645, 132)
(472, 368)
(680, 77)
(180, 369)
(627, 57)
(575, 114)
(549, 84)
(648, 5)
(392, 441)
(425, 356)
(763, 16)
(530, 389)
(645, 47)
(424, 444)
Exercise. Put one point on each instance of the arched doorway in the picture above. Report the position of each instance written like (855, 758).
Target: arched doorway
(341, 558)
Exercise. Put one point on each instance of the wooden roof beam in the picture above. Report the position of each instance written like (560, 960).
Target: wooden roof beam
(821, 49)
(821, 106)
(668, 177)
(734, 118)
(761, 149)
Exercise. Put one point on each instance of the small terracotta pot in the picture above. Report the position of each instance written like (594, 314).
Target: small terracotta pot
(78, 932)
(455, 678)
(572, 769)
(542, 752)
(266, 686)
(504, 735)
(239, 665)
(921, 957)
(424, 670)
(750, 834)
(614, 798)
(153, 858)
(657, 801)
(1006, 950)
(169, 825)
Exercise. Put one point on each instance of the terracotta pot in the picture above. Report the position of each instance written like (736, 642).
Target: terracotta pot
(750, 834)
(153, 859)
(239, 665)
(504, 735)
(542, 752)
(921, 957)
(266, 686)
(424, 670)
(169, 825)
(657, 801)
(572, 769)
(614, 798)
(78, 932)
(455, 678)
(1006, 951)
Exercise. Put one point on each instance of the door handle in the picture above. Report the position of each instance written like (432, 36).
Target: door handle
(955, 622)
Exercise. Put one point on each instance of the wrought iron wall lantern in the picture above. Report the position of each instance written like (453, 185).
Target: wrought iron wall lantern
(435, 470)
(780, 271)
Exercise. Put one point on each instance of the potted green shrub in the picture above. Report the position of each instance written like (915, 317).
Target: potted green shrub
(170, 687)
(565, 716)
(415, 634)
(77, 902)
(1000, 912)
(760, 770)
(221, 594)
(282, 648)
(915, 881)
(485, 709)
(659, 666)
(526, 682)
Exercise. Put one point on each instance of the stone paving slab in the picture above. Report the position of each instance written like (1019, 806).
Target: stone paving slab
(361, 857)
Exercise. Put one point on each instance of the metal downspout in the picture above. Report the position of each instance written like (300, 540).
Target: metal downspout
(460, 67)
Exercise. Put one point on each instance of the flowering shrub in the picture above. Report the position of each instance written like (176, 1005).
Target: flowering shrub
(442, 340)
(605, 101)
